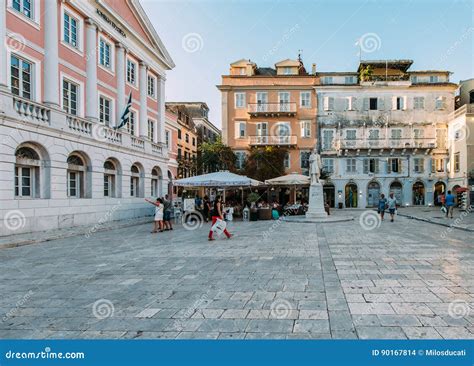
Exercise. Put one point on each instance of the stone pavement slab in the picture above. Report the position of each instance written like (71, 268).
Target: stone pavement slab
(286, 281)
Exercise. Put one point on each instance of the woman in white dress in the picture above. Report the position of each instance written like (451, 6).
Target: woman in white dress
(158, 221)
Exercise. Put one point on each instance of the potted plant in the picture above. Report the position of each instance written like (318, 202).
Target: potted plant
(366, 73)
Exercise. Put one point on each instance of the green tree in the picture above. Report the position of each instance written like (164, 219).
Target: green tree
(265, 162)
(215, 156)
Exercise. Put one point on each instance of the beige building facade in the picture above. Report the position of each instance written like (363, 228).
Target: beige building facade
(270, 107)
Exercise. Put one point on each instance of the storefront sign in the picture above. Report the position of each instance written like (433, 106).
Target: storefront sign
(111, 22)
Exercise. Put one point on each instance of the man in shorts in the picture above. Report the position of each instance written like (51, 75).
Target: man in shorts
(167, 213)
(392, 205)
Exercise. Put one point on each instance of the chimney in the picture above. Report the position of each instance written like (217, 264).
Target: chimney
(313, 69)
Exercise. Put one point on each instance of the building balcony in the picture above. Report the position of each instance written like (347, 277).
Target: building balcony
(271, 109)
(402, 143)
(36, 114)
(272, 140)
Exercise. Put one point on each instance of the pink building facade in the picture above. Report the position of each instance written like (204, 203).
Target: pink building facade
(66, 72)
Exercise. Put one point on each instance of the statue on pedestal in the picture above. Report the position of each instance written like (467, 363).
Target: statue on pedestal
(315, 167)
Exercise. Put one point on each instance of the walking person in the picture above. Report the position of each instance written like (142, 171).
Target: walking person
(167, 213)
(449, 202)
(206, 208)
(392, 206)
(382, 206)
(217, 214)
(158, 220)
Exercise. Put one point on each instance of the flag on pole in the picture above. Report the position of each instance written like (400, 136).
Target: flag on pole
(126, 113)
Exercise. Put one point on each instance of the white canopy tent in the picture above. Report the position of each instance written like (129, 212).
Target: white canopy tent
(218, 179)
(293, 179)
(223, 179)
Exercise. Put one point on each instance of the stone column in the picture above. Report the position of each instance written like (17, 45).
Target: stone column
(120, 73)
(3, 49)
(92, 109)
(142, 85)
(161, 109)
(51, 58)
(224, 117)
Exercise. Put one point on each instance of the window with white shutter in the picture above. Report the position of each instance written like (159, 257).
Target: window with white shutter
(239, 100)
(305, 129)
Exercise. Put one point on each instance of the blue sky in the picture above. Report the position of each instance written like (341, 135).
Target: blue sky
(204, 37)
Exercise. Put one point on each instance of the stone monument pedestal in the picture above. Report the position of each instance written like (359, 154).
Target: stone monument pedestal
(316, 202)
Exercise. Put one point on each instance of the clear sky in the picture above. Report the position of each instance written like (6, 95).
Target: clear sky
(204, 37)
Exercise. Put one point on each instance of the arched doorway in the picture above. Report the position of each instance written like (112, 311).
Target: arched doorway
(373, 194)
(418, 194)
(439, 188)
(351, 195)
(329, 194)
(396, 188)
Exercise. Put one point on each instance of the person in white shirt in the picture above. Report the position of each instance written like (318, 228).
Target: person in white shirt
(158, 221)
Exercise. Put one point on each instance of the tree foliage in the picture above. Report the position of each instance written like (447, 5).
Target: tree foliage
(265, 162)
(215, 156)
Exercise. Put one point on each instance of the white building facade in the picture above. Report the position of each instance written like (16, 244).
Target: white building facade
(384, 129)
(461, 146)
(66, 75)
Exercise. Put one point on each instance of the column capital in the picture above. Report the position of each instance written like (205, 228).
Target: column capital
(91, 22)
(120, 45)
(144, 64)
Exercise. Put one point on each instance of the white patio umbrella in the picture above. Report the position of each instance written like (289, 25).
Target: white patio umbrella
(218, 179)
(293, 179)
(222, 179)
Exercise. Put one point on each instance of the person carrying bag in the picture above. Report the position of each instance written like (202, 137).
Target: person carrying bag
(217, 215)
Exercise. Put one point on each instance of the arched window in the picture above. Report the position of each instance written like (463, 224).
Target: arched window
(135, 181)
(471, 97)
(155, 182)
(110, 179)
(76, 171)
(27, 173)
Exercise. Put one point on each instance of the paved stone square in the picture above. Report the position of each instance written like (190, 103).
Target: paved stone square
(273, 279)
